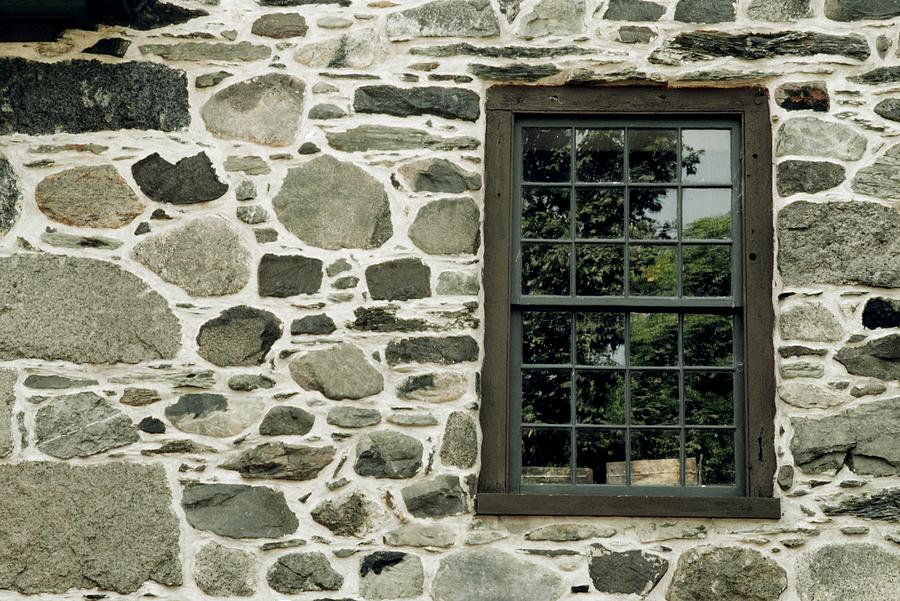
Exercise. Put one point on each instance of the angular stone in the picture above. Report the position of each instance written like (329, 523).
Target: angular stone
(444, 18)
(438, 387)
(339, 372)
(400, 279)
(565, 533)
(856, 572)
(238, 510)
(816, 137)
(288, 275)
(280, 26)
(388, 454)
(384, 319)
(252, 215)
(369, 137)
(633, 10)
(10, 196)
(223, 572)
(451, 226)
(444, 350)
(880, 312)
(349, 516)
(313, 324)
(809, 396)
(517, 72)
(553, 17)
(878, 76)
(81, 310)
(301, 572)
(205, 257)
(352, 50)
(803, 96)
(353, 417)
(345, 283)
(151, 425)
(420, 535)
(88, 197)
(879, 358)
(779, 11)
(785, 477)
(808, 177)
(439, 175)
(889, 108)
(391, 575)
(863, 438)
(287, 421)
(436, 498)
(53, 382)
(139, 397)
(7, 399)
(450, 103)
(110, 47)
(279, 461)
(485, 574)
(880, 179)
(212, 414)
(881, 505)
(239, 336)
(107, 527)
(190, 180)
(301, 2)
(207, 51)
(704, 45)
(839, 243)
(704, 11)
(48, 98)
(859, 10)
(635, 34)
(633, 572)
(810, 321)
(726, 574)
(265, 109)
(208, 80)
(459, 447)
(332, 204)
(248, 164)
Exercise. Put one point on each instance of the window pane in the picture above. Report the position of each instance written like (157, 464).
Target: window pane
(708, 398)
(706, 155)
(600, 338)
(546, 396)
(545, 456)
(707, 270)
(654, 339)
(652, 270)
(713, 453)
(654, 397)
(600, 397)
(545, 269)
(600, 155)
(601, 457)
(600, 269)
(545, 212)
(546, 337)
(655, 458)
(706, 213)
(653, 214)
(601, 213)
(652, 155)
(546, 153)
(708, 339)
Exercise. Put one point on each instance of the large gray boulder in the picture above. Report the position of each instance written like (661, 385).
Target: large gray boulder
(633, 572)
(483, 574)
(855, 572)
(726, 574)
(391, 575)
(238, 510)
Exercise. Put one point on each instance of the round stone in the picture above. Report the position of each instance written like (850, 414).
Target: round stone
(240, 336)
(856, 572)
(451, 226)
(88, 197)
(223, 572)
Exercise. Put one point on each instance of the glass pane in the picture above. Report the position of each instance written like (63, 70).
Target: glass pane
(600, 155)
(710, 453)
(706, 213)
(600, 338)
(545, 456)
(708, 339)
(652, 270)
(546, 337)
(546, 396)
(654, 339)
(708, 398)
(653, 214)
(654, 397)
(655, 458)
(601, 213)
(706, 155)
(600, 270)
(546, 153)
(601, 457)
(707, 270)
(600, 397)
(652, 155)
(545, 212)
(545, 269)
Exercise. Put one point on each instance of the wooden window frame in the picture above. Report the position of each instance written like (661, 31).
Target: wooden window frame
(751, 106)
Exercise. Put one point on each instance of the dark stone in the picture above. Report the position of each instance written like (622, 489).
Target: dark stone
(443, 350)
(384, 319)
(345, 283)
(47, 98)
(520, 52)
(388, 454)
(635, 34)
(152, 425)
(859, 10)
(400, 279)
(313, 324)
(631, 572)
(808, 177)
(209, 80)
(882, 505)
(436, 498)
(289, 275)
(345, 517)
(450, 103)
(785, 477)
(879, 358)
(881, 312)
(150, 15)
(889, 108)
(633, 10)
(795, 350)
(109, 46)
(516, 72)
(704, 11)
(195, 405)
(142, 228)
(877, 76)
(10, 196)
(192, 179)
(238, 510)
(308, 148)
(280, 26)
(240, 336)
(803, 96)
(703, 45)
(56, 382)
(287, 421)
(380, 560)
(299, 572)
(279, 461)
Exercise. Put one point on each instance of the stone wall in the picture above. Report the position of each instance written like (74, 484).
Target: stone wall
(241, 318)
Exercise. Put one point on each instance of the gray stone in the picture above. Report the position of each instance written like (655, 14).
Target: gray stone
(785, 477)
(855, 572)
(444, 350)
(107, 527)
(779, 11)
(868, 388)
(10, 196)
(507, 51)
(809, 396)
(816, 137)
(880, 312)
(301, 2)
(301, 572)
(489, 575)
(80, 425)
(248, 164)
(633, 10)
(881, 505)
(802, 369)
(332, 204)
(288, 275)
(334, 22)
(810, 321)
(803, 96)
(863, 438)
(287, 421)
(635, 34)
(81, 310)
(880, 179)
(882, 45)
(238, 510)
(704, 45)
(252, 215)
(516, 73)
(239, 336)
(553, 17)
(859, 10)
(450, 103)
(400, 279)
(352, 50)
(53, 382)
(349, 516)
(565, 533)
(207, 51)
(879, 358)
(88, 197)
(391, 575)
(384, 319)
(345, 283)
(435, 498)
(339, 266)
(444, 18)
(840, 243)
(313, 324)
(369, 137)
(279, 461)
(726, 574)
(420, 535)
(280, 26)
(439, 175)
(192, 179)
(808, 177)
(223, 572)
(437, 387)
(209, 80)
(265, 109)
(881, 75)
(388, 454)
(633, 572)
(139, 397)
(704, 11)
(64, 240)
(212, 414)
(49, 98)
(205, 257)
(407, 419)
(457, 283)
(451, 226)
(353, 417)
(339, 372)
(327, 111)
(7, 399)
(510, 8)
(459, 447)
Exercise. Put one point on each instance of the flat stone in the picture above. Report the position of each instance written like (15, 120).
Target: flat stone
(7, 399)
(880, 179)
(332, 204)
(81, 310)
(224, 572)
(239, 336)
(565, 533)
(391, 575)
(809, 396)
(485, 574)
(863, 438)
(280, 26)
(352, 50)
(192, 179)
(633, 10)
(331, 22)
(816, 137)
(704, 11)
(348, 516)
(855, 572)
(282, 276)
(345, 283)
(859, 10)
(353, 417)
(249, 165)
(205, 257)
(803, 96)
(553, 17)
(450, 103)
(302, 572)
(369, 137)
(439, 175)
(516, 72)
(880, 312)
(209, 80)
(839, 243)
(726, 574)
(301, 2)
(883, 505)
(413, 534)
(388, 454)
(878, 76)
(10, 196)
(63, 240)
(808, 177)
(412, 420)
(139, 397)
(436, 387)
(810, 321)
(327, 111)
(450, 226)
(400, 279)
(339, 372)
(889, 108)
(238, 510)
(632, 572)
(207, 51)
(445, 350)
(879, 358)
(635, 34)
(212, 414)
(279, 461)
(116, 47)
(287, 421)
(444, 18)
(53, 382)
(868, 388)
(704, 45)
(436, 498)
(49, 98)
(313, 324)
(459, 446)
(779, 11)
(457, 283)
(384, 319)
(506, 51)
(88, 197)
(108, 527)
(802, 369)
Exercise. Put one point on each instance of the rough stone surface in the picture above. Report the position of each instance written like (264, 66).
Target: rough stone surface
(7, 398)
(858, 10)
(80, 425)
(391, 575)
(352, 50)
(439, 175)
(553, 17)
(287, 421)
(880, 75)
(332, 204)
(239, 336)
(808, 177)
(339, 372)
(810, 321)
(803, 96)
(880, 179)
(484, 574)
(430, 349)
(348, 516)
(212, 414)
(451, 226)
(110, 47)
(564, 533)
(812, 136)
(704, 11)
(301, 572)
(249, 382)
(633, 572)
(779, 10)
(388, 454)
(208, 51)
(107, 526)
(400, 279)
(264, 109)
(437, 387)
(10, 196)
(190, 180)
(785, 477)
(459, 447)
(882, 505)
(880, 312)
(633, 10)
(224, 572)
(326, 111)
(450, 103)
(88, 197)
(288, 275)
(809, 396)
(353, 417)
(436, 498)
(879, 358)
(704, 45)
(238, 510)
(205, 257)
(279, 461)
(726, 574)
(319, 324)
(444, 18)
(371, 137)
(280, 26)
(889, 108)
(50, 313)
(420, 535)
(855, 572)
(457, 283)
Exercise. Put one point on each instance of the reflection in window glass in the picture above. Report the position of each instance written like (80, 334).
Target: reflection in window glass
(545, 212)
(600, 155)
(545, 269)
(655, 457)
(707, 270)
(546, 396)
(600, 269)
(706, 213)
(713, 452)
(600, 397)
(709, 398)
(601, 457)
(708, 339)
(601, 213)
(600, 338)
(653, 155)
(653, 213)
(546, 337)
(706, 156)
(652, 271)
(545, 456)
(654, 339)
(654, 397)
(546, 153)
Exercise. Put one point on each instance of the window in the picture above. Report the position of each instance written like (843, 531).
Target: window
(628, 279)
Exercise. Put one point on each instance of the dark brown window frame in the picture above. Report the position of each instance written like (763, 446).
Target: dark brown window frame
(751, 105)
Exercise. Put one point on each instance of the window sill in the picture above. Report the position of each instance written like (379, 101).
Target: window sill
(628, 506)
